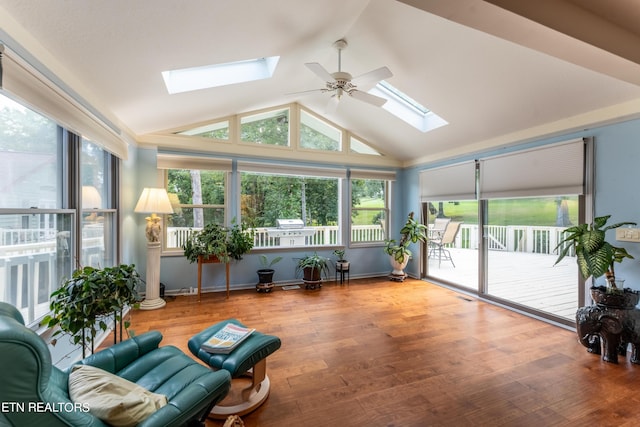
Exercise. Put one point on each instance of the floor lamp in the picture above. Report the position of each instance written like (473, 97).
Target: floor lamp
(153, 201)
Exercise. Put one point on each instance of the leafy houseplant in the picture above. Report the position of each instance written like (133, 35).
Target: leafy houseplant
(216, 241)
(265, 274)
(341, 263)
(83, 302)
(411, 232)
(595, 256)
(312, 267)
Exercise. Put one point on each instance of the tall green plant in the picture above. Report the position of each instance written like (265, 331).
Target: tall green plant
(81, 305)
(411, 232)
(595, 256)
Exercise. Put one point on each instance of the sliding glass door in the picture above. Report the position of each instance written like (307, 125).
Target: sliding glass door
(452, 249)
(507, 213)
(521, 235)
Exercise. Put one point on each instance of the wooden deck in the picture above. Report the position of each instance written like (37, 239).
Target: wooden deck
(528, 279)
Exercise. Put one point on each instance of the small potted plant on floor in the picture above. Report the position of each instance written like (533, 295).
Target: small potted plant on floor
(398, 251)
(312, 268)
(265, 274)
(596, 258)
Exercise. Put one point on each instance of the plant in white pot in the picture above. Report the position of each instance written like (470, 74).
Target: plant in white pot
(398, 251)
(341, 263)
(596, 257)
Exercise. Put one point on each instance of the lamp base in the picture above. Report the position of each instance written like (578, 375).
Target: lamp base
(152, 304)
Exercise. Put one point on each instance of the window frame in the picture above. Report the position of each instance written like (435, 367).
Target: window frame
(297, 171)
(364, 175)
(66, 216)
(203, 166)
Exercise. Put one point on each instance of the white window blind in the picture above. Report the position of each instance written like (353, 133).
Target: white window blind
(449, 183)
(178, 161)
(285, 169)
(372, 174)
(550, 170)
(29, 85)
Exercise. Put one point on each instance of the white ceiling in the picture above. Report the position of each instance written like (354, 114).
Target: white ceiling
(496, 77)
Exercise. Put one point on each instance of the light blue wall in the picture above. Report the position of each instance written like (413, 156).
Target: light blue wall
(617, 174)
(178, 275)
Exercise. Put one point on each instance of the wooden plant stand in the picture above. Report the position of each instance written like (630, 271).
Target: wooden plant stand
(212, 260)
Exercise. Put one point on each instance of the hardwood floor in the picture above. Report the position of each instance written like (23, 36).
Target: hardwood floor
(382, 353)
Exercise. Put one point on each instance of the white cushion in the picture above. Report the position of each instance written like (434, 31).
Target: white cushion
(113, 399)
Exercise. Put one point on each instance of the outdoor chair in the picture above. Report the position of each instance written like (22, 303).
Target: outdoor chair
(436, 230)
(437, 244)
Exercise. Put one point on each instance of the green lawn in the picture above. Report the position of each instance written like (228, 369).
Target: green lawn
(367, 217)
(538, 212)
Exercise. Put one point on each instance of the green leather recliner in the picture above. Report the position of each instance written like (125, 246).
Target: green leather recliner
(33, 392)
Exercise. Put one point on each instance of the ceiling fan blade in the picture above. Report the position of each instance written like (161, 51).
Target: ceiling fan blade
(306, 92)
(319, 71)
(367, 97)
(372, 77)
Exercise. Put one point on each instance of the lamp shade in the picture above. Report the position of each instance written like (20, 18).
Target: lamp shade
(154, 200)
(91, 198)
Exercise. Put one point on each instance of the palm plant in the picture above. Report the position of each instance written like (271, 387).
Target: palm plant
(595, 256)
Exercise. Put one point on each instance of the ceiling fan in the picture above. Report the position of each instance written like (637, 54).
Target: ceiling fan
(341, 82)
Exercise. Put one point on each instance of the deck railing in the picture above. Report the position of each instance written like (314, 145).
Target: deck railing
(511, 238)
(322, 236)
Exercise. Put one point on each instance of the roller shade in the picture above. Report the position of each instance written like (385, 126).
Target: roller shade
(372, 174)
(22, 81)
(449, 183)
(550, 170)
(177, 161)
(286, 169)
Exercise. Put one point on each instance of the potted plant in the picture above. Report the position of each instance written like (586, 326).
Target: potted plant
(312, 268)
(83, 302)
(399, 253)
(341, 263)
(218, 242)
(265, 274)
(596, 257)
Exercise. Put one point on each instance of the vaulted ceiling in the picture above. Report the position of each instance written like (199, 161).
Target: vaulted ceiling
(499, 71)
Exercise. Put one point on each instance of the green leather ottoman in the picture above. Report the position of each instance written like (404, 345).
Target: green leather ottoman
(249, 359)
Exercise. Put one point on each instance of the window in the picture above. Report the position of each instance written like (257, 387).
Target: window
(406, 108)
(36, 234)
(270, 128)
(317, 134)
(218, 130)
(359, 147)
(188, 79)
(306, 196)
(198, 197)
(369, 210)
(98, 211)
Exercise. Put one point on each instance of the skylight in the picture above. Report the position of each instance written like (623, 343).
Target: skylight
(406, 108)
(188, 79)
